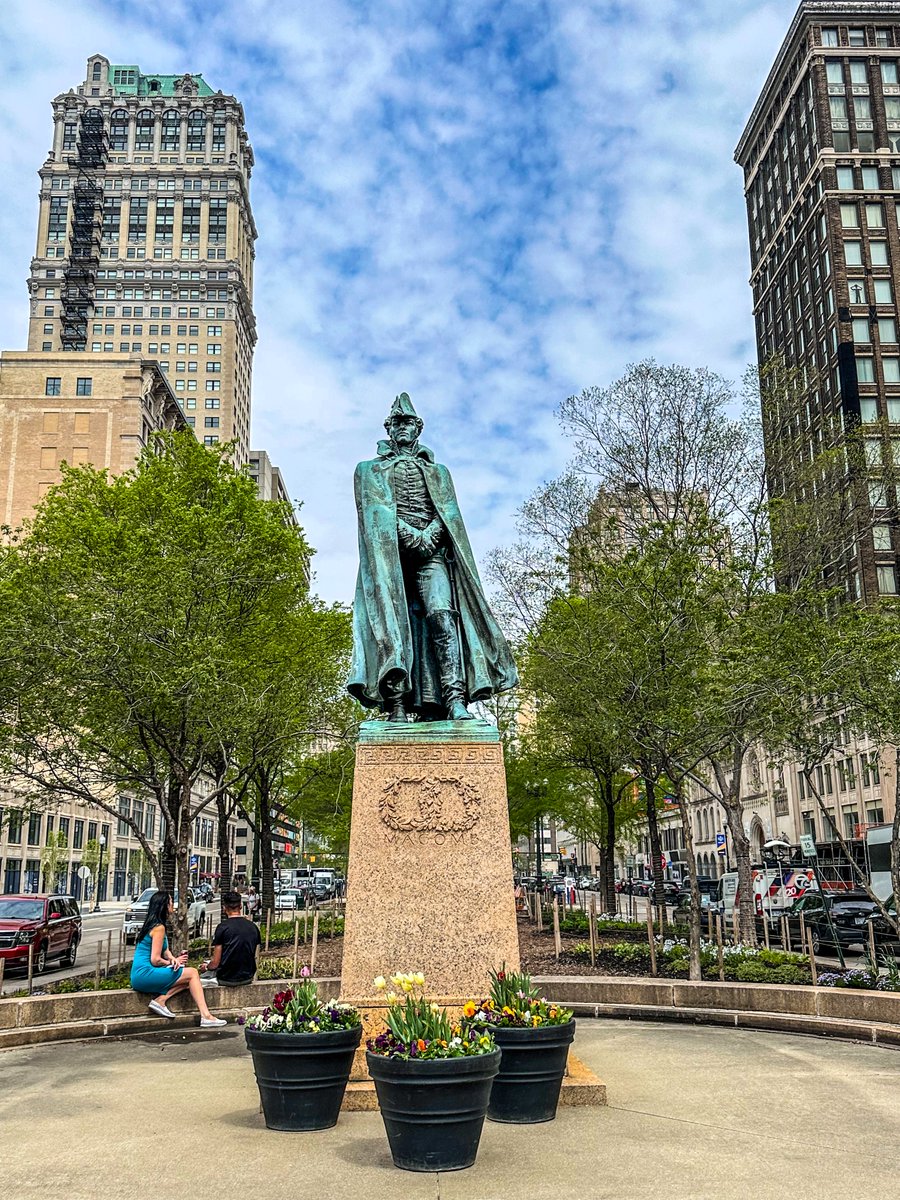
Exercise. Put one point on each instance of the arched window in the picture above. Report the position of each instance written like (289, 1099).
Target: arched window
(95, 72)
(706, 825)
(196, 130)
(118, 129)
(143, 130)
(171, 130)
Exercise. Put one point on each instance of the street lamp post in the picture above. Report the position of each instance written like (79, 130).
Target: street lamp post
(102, 841)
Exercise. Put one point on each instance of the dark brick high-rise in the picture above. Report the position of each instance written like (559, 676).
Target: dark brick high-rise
(821, 162)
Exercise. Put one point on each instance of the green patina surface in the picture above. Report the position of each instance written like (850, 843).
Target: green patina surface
(127, 80)
(423, 732)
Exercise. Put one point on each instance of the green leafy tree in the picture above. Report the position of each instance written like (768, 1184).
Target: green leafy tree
(147, 602)
(53, 857)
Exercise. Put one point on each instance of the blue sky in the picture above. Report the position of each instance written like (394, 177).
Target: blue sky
(488, 205)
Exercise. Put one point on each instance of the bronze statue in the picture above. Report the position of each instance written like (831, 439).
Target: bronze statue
(424, 639)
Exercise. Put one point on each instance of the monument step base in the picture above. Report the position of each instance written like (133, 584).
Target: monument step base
(581, 1089)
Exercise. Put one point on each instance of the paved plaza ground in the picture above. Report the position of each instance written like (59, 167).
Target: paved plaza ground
(694, 1112)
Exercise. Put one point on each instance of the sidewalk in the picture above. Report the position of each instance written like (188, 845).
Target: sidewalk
(709, 1114)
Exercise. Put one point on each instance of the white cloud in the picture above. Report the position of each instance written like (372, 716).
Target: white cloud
(489, 207)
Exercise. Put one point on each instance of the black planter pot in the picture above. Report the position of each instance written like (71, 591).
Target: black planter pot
(433, 1109)
(527, 1086)
(302, 1077)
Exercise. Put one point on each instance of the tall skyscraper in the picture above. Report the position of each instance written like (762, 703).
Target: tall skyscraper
(146, 237)
(821, 162)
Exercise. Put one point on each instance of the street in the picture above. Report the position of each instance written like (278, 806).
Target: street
(96, 930)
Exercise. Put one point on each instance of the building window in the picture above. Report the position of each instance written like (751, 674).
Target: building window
(196, 130)
(83, 387)
(165, 218)
(34, 829)
(881, 537)
(849, 216)
(52, 385)
(887, 329)
(884, 293)
(845, 179)
(211, 439)
(889, 73)
(861, 331)
(874, 216)
(212, 402)
(834, 72)
(891, 368)
(143, 130)
(838, 107)
(213, 385)
(865, 373)
(218, 220)
(887, 581)
(171, 130)
(829, 37)
(853, 254)
(137, 219)
(856, 37)
(878, 254)
(210, 422)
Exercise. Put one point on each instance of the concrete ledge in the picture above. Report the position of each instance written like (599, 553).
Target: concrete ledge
(826, 1012)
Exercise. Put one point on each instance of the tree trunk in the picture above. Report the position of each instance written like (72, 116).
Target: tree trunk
(169, 856)
(695, 910)
(225, 869)
(659, 898)
(266, 857)
(734, 815)
(609, 847)
(895, 840)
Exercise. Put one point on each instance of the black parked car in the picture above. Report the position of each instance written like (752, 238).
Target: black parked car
(885, 934)
(849, 912)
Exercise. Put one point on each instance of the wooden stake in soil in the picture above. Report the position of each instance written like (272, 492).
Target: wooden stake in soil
(315, 943)
(30, 968)
(268, 926)
(209, 933)
(2, 968)
(557, 940)
(296, 942)
(802, 933)
(721, 952)
(305, 919)
(787, 935)
(812, 959)
(99, 966)
(539, 908)
(108, 951)
(651, 937)
(766, 927)
(592, 925)
(872, 946)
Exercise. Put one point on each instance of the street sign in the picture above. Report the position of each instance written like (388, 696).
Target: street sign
(808, 845)
(720, 843)
(629, 861)
(194, 860)
(83, 872)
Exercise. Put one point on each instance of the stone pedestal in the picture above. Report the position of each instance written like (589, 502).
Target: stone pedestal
(429, 882)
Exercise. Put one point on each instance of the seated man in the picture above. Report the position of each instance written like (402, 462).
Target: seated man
(236, 942)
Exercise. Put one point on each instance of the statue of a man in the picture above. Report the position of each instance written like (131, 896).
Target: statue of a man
(424, 639)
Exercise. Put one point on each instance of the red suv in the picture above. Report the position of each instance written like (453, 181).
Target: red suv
(51, 924)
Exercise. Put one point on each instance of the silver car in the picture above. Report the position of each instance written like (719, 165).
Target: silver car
(136, 914)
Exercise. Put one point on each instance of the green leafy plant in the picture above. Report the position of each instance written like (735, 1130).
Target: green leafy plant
(514, 1002)
(419, 1028)
(299, 1010)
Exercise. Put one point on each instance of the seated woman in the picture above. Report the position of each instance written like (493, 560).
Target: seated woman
(155, 970)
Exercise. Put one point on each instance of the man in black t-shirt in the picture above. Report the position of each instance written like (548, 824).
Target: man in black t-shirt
(236, 942)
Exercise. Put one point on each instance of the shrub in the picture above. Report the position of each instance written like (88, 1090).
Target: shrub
(275, 968)
(750, 972)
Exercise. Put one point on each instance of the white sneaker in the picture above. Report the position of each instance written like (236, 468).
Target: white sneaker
(161, 1010)
(212, 1022)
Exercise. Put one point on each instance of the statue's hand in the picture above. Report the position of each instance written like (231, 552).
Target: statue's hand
(409, 537)
(431, 536)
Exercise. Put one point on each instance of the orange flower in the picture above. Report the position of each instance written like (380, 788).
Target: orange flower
(420, 1044)
(469, 1009)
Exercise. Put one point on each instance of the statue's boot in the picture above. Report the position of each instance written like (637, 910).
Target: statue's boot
(446, 648)
(393, 694)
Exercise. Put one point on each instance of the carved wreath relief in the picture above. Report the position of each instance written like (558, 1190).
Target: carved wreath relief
(430, 804)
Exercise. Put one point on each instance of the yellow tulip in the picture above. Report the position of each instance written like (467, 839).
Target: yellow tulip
(392, 997)
(406, 984)
(380, 983)
(419, 979)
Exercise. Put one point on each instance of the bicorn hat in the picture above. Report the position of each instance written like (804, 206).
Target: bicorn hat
(402, 407)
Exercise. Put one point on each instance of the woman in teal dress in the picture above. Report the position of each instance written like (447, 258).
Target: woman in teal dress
(158, 972)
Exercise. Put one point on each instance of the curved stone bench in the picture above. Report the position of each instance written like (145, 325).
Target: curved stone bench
(829, 1012)
(825, 1012)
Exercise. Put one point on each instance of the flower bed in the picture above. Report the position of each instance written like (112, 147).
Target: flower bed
(742, 964)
